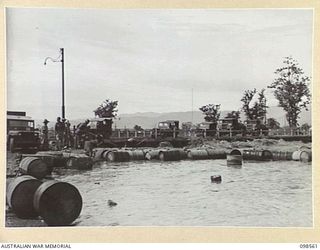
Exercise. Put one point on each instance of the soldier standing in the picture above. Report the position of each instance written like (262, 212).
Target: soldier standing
(81, 131)
(67, 134)
(64, 132)
(44, 135)
(59, 129)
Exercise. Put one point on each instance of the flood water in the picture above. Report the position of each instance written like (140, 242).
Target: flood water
(259, 194)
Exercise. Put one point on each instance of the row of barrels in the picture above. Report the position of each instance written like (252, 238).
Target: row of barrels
(115, 155)
(31, 195)
(40, 166)
(57, 203)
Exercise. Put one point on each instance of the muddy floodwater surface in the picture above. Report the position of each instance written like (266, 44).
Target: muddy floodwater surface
(259, 194)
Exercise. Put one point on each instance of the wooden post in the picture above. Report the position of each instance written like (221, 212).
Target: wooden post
(135, 134)
(155, 133)
(144, 133)
(174, 132)
(119, 134)
(230, 132)
(260, 132)
(127, 133)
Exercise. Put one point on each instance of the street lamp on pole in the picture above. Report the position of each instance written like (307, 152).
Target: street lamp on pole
(59, 59)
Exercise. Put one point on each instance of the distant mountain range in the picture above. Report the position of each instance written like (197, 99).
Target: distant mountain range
(150, 119)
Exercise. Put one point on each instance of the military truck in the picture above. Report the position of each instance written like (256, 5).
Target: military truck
(21, 134)
(256, 128)
(167, 129)
(231, 125)
(97, 129)
(207, 129)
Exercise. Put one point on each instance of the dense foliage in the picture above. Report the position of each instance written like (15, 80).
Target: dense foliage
(107, 109)
(291, 90)
(211, 112)
(254, 109)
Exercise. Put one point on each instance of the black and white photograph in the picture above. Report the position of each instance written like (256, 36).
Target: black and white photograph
(159, 117)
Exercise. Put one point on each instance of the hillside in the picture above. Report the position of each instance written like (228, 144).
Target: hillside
(150, 119)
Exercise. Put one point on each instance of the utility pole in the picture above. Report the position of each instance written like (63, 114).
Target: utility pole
(62, 65)
(59, 59)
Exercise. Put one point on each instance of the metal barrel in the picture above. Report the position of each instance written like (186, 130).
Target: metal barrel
(118, 156)
(58, 160)
(58, 203)
(136, 155)
(152, 155)
(33, 166)
(305, 148)
(216, 178)
(170, 155)
(302, 155)
(98, 154)
(257, 155)
(48, 159)
(282, 156)
(198, 154)
(183, 154)
(216, 153)
(80, 162)
(20, 192)
(234, 158)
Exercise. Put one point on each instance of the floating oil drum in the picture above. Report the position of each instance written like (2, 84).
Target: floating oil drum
(183, 154)
(302, 155)
(137, 155)
(216, 178)
(282, 156)
(58, 160)
(20, 194)
(170, 155)
(58, 203)
(234, 158)
(33, 166)
(198, 154)
(305, 148)
(118, 156)
(216, 154)
(152, 155)
(48, 160)
(257, 155)
(81, 162)
(97, 154)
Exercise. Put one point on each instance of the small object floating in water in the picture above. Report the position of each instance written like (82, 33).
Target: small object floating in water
(98, 183)
(111, 203)
(216, 178)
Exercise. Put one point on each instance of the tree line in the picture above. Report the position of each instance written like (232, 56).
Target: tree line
(291, 89)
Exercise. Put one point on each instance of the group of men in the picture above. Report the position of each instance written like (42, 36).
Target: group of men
(64, 137)
(63, 133)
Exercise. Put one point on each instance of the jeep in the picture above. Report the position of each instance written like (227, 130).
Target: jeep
(21, 133)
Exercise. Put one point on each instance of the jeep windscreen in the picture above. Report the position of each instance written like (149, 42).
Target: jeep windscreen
(20, 125)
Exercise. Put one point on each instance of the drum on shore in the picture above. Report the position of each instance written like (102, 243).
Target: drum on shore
(20, 192)
(58, 203)
(33, 166)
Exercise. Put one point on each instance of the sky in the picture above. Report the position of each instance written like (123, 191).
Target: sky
(149, 60)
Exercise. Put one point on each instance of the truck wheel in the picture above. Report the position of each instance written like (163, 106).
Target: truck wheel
(12, 145)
